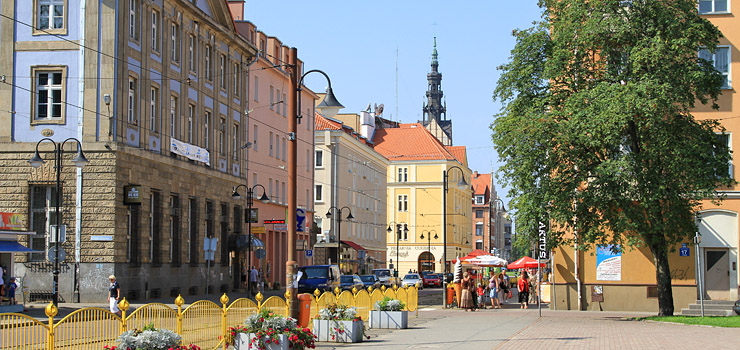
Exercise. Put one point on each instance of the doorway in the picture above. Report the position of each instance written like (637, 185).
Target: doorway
(717, 273)
(426, 262)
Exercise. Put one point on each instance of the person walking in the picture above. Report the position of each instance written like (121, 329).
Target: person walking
(493, 291)
(466, 299)
(253, 278)
(10, 290)
(503, 288)
(523, 289)
(114, 295)
(533, 288)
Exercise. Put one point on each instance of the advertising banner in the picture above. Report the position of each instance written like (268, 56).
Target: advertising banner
(12, 222)
(190, 151)
(608, 263)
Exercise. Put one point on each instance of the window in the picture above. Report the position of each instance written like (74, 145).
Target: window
(254, 135)
(192, 232)
(222, 136)
(207, 130)
(235, 79)
(269, 187)
(403, 174)
(155, 228)
(222, 71)
(319, 162)
(277, 146)
(191, 53)
(133, 236)
(285, 105)
(721, 60)
(256, 88)
(478, 214)
(191, 120)
(155, 31)
(133, 33)
(726, 140)
(272, 98)
(235, 141)
(308, 160)
(713, 6)
(207, 60)
(480, 200)
(173, 116)
(224, 219)
(271, 145)
(283, 197)
(479, 229)
(154, 110)
(50, 87)
(278, 100)
(175, 223)
(209, 219)
(284, 149)
(175, 43)
(50, 15)
(403, 202)
(318, 193)
(43, 214)
(277, 191)
(133, 117)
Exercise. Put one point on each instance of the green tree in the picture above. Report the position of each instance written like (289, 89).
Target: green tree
(596, 132)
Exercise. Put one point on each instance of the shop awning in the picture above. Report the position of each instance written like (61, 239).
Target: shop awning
(354, 245)
(243, 243)
(14, 247)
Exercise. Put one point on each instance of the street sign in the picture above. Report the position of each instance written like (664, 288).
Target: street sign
(209, 247)
(300, 219)
(52, 254)
(258, 229)
(309, 253)
(542, 245)
(280, 227)
(260, 254)
(361, 254)
(684, 250)
(251, 216)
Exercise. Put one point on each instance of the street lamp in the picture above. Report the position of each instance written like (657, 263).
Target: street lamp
(461, 185)
(339, 231)
(429, 240)
(36, 161)
(250, 201)
(398, 237)
(493, 205)
(295, 101)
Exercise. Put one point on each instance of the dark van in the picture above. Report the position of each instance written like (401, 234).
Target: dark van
(321, 277)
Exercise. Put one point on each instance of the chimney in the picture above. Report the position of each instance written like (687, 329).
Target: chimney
(475, 174)
(236, 7)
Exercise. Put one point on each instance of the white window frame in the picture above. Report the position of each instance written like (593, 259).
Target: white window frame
(236, 79)
(133, 18)
(403, 174)
(319, 159)
(207, 129)
(49, 89)
(480, 199)
(208, 63)
(173, 116)
(318, 193)
(222, 136)
(155, 31)
(154, 110)
(482, 229)
(729, 146)
(133, 115)
(53, 7)
(222, 71)
(235, 141)
(191, 120)
(191, 53)
(175, 43)
(728, 74)
(403, 202)
(713, 2)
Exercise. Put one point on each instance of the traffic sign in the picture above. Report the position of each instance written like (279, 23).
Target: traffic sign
(52, 254)
(309, 253)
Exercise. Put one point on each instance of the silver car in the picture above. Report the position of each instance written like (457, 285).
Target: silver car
(412, 280)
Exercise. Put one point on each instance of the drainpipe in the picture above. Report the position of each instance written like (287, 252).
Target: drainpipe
(577, 274)
(78, 180)
(335, 192)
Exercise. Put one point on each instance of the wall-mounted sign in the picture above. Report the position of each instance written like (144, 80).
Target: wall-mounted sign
(274, 221)
(132, 194)
(542, 252)
(251, 215)
(608, 263)
(258, 229)
(300, 219)
(280, 227)
(47, 132)
(189, 151)
(12, 221)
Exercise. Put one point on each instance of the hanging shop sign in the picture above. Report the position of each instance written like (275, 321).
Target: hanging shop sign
(132, 194)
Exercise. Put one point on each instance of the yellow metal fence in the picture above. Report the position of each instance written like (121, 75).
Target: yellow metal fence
(203, 323)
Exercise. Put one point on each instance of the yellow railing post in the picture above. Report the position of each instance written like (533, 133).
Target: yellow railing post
(259, 298)
(287, 302)
(179, 301)
(123, 306)
(51, 311)
(224, 301)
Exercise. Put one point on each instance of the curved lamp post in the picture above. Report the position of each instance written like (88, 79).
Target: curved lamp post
(398, 237)
(429, 241)
(36, 161)
(330, 102)
(339, 230)
(250, 201)
(461, 185)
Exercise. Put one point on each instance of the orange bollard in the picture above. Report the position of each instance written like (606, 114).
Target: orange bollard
(450, 295)
(304, 314)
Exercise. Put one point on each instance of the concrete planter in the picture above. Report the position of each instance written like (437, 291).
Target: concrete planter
(338, 331)
(389, 319)
(243, 341)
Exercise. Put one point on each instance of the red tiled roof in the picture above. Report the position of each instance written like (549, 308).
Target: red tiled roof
(354, 245)
(323, 123)
(480, 183)
(409, 142)
(460, 153)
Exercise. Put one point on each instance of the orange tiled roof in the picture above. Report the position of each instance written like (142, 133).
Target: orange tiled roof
(323, 123)
(460, 153)
(409, 142)
(480, 184)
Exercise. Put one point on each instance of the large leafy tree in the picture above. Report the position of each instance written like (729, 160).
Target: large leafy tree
(596, 131)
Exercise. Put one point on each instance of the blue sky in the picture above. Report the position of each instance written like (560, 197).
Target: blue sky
(355, 43)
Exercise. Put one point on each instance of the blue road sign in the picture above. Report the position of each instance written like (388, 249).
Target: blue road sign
(309, 253)
(684, 250)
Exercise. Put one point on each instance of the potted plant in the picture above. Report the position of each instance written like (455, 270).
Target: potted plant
(339, 323)
(389, 313)
(269, 331)
(150, 338)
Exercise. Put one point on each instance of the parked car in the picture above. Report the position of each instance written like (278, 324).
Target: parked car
(431, 279)
(347, 282)
(321, 277)
(370, 281)
(387, 276)
(412, 279)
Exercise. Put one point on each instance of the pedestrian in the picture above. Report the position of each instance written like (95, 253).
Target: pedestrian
(245, 273)
(481, 293)
(114, 295)
(523, 289)
(466, 299)
(261, 280)
(533, 288)
(10, 290)
(2, 282)
(493, 291)
(503, 285)
(253, 279)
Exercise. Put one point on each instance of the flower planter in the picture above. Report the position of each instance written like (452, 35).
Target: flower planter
(338, 331)
(243, 341)
(389, 319)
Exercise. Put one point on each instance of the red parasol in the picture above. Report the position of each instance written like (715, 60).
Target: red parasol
(524, 263)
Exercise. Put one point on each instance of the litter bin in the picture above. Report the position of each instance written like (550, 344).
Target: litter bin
(304, 314)
(450, 294)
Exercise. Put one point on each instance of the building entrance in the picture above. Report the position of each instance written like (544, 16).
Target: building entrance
(717, 274)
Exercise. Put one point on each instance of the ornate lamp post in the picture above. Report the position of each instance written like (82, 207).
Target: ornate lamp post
(250, 201)
(429, 241)
(339, 231)
(330, 103)
(398, 237)
(79, 161)
(461, 185)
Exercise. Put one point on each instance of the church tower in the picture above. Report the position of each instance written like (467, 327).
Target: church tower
(435, 111)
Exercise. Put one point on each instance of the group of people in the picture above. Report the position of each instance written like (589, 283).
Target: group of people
(473, 298)
(255, 278)
(7, 288)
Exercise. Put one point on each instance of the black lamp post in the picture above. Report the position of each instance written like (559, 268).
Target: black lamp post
(330, 103)
(79, 161)
(461, 185)
(429, 241)
(250, 201)
(398, 237)
(339, 231)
